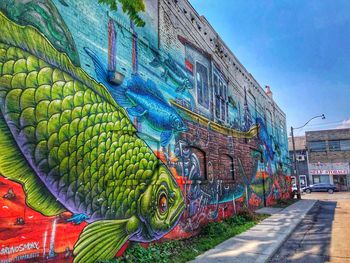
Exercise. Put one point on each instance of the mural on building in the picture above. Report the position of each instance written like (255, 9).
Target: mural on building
(108, 139)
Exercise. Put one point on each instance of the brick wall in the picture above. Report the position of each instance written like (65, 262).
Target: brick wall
(156, 66)
(220, 151)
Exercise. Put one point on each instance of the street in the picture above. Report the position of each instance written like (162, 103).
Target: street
(324, 233)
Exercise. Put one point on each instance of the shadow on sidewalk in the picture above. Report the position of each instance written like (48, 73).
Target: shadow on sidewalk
(310, 242)
(260, 242)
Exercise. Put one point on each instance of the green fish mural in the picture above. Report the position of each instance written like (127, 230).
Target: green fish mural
(72, 147)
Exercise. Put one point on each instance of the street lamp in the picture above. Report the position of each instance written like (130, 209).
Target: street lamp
(296, 172)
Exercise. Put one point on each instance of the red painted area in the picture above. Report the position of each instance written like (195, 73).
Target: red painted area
(34, 228)
(37, 226)
(254, 201)
(122, 249)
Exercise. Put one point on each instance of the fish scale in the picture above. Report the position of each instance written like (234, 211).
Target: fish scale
(76, 142)
(72, 147)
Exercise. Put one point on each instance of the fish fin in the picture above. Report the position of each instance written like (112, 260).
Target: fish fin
(165, 138)
(14, 167)
(137, 111)
(152, 88)
(122, 99)
(101, 240)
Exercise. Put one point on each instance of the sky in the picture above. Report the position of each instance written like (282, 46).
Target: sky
(300, 48)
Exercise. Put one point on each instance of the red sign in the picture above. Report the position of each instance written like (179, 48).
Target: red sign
(328, 171)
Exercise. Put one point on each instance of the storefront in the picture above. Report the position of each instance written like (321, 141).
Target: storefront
(333, 173)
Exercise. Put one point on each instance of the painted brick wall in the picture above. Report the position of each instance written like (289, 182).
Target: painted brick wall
(141, 134)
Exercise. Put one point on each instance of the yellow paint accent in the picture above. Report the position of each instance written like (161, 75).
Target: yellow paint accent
(253, 132)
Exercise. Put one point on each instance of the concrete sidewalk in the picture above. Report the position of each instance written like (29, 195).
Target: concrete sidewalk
(259, 243)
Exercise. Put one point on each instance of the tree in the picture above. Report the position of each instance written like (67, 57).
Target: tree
(130, 7)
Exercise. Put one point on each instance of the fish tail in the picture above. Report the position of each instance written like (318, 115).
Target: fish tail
(119, 92)
(121, 98)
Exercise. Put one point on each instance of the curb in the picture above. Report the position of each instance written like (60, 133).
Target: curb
(289, 234)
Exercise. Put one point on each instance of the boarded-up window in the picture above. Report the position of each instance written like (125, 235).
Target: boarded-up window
(227, 170)
(199, 162)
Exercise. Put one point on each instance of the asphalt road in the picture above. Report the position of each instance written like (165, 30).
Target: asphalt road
(323, 235)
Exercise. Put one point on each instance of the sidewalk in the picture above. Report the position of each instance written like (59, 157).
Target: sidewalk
(259, 243)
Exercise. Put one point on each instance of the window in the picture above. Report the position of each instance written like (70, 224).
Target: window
(268, 122)
(282, 131)
(334, 145)
(252, 104)
(317, 146)
(217, 98)
(221, 98)
(345, 145)
(202, 85)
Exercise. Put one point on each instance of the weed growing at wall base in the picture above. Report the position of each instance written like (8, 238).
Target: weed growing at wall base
(184, 250)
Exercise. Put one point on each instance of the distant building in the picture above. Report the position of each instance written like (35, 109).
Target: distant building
(301, 157)
(329, 157)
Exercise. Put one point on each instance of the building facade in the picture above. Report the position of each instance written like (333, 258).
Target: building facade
(329, 157)
(301, 159)
(140, 133)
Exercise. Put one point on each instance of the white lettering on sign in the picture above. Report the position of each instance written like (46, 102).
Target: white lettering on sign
(20, 248)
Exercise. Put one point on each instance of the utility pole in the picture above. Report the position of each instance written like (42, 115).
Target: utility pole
(296, 172)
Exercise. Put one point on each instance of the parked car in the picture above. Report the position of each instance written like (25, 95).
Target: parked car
(323, 187)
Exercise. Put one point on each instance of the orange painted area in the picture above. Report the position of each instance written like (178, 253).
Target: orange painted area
(262, 174)
(36, 226)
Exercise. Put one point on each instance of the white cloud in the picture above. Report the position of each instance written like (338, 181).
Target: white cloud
(345, 124)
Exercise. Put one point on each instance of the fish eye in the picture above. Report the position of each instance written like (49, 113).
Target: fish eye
(163, 203)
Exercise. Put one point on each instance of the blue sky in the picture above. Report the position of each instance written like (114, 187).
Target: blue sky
(300, 48)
